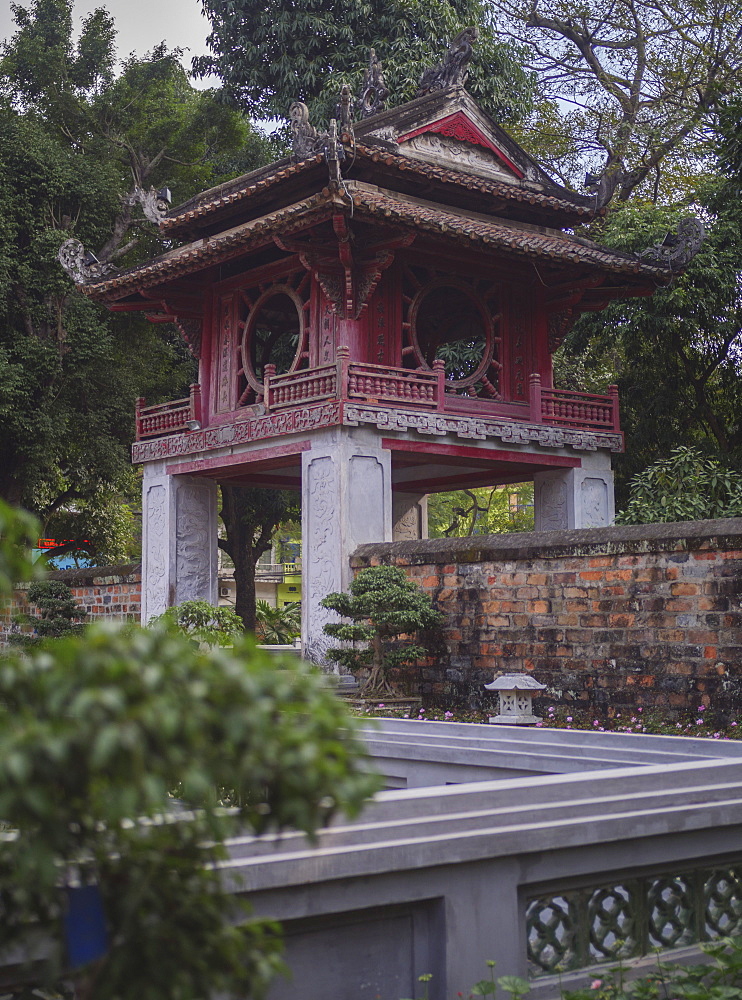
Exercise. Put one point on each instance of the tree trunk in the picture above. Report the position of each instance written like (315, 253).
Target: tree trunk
(244, 582)
(250, 517)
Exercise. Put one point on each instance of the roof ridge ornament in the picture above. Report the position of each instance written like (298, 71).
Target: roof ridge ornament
(154, 203)
(374, 90)
(306, 141)
(678, 249)
(454, 69)
(82, 265)
(345, 109)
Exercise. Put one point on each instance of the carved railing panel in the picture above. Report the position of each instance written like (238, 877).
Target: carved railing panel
(168, 418)
(574, 409)
(574, 929)
(300, 388)
(393, 385)
(355, 381)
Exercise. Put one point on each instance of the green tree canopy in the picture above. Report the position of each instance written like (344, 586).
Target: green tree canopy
(677, 356)
(483, 510)
(269, 55)
(632, 87)
(74, 142)
(383, 605)
(685, 486)
(250, 517)
(59, 613)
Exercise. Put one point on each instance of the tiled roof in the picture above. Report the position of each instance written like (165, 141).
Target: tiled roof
(261, 181)
(523, 242)
(234, 191)
(525, 192)
(201, 253)
(371, 202)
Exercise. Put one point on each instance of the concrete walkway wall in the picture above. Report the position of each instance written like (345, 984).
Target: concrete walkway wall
(620, 617)
(439, 879)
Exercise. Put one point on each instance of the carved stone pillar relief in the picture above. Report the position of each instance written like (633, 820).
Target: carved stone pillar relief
(179, 545)
(575, 498)
(410, 516)
(346, 501)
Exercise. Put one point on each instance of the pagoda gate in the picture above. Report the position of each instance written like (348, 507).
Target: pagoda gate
(374, 319)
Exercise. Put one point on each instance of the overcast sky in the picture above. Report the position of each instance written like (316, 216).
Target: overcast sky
(141, 24)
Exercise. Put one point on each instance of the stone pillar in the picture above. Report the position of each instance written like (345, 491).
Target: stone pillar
(346, 501)
(179, 540)
(575, 498)
(409, 516)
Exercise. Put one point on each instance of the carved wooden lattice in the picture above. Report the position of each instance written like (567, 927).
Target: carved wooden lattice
(286, 303)
(456, 319)
(573, 929)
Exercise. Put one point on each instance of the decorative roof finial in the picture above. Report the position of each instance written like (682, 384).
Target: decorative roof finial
(374, 91)
(345, 109)
(154, 203)
(305, 140)
(678, 249)
(82, 265)
(454, 69)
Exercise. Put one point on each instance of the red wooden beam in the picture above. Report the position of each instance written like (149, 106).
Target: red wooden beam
(479, 454)
(208, 466)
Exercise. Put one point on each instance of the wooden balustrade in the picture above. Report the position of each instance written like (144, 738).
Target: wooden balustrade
(566, 408)
(168, 418)
(311, 385)
(349, 380)
(353, 381)
(393, 385)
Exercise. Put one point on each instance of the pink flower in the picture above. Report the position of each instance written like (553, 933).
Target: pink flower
(381, 705)
(595, 722)
(448, 715)
(734, 723)
(596, 984)
(569, 718)
(539, 725)
(640, 709)
(699, 722)
(701, 708)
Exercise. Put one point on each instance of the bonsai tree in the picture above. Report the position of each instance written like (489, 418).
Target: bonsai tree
(383, 606)
(59, 613)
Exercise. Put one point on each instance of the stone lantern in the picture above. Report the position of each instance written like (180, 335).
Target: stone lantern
(516, 692)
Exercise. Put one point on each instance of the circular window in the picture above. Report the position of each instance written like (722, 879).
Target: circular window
(273, 335)
(449, 322)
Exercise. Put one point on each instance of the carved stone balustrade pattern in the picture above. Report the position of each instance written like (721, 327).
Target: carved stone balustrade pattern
(574, 929)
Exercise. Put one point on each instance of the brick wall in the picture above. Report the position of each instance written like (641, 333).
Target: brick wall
(113, 592)
(617, 617)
